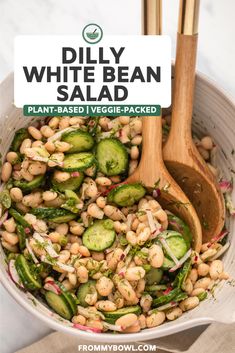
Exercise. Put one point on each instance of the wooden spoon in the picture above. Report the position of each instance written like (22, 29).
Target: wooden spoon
(180, 154)
(151, 169)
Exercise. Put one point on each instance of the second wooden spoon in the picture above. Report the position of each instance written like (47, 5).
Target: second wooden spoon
(151, 169)
(180, 154)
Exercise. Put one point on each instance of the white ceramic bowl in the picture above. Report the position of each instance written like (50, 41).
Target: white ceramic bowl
(214, 114)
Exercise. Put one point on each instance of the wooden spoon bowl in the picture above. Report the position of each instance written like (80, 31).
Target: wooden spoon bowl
(151, 171)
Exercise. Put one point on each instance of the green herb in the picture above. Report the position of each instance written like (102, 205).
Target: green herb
(202, 296)
(122, 240)
(157, 183)
(5, 199)
(111, 164)
(147, 267)
(166, 188)
(50, 259)
(182, 275)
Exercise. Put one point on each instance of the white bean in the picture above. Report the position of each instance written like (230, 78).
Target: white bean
(37, 168)
(104, 286)
(35, 133)
(50, 147)
(103, 181)
(189, 303)
(32, 200)
(143, 236)
(156, 256)
(6, 171)
(10, 225)
(134, 152)
(207, 143)
(82, 274)
(146, 302)
(46, 131)
(64, 122)
(26, 175)
(64, 256)
(131, 237)
(105, 305)
(136, 140)
(94, 211)
(188, 286)
(62, 146)
(155, 319)
(197, 291)
(25, 144)
(203, 269)
(101, 202)
(49, 195)
(216, 268)
(124, 120)
(113, 212)
(134, 273)
(16, 194)
(54, 122)
(202, 283)
(61, 176)
(126, 290)
(12, 157)
(132, 166)
(174, 313)
(79, 319)
(62, 228)
(77, 228)
(193, 276)
(126, 320)
(11, 238)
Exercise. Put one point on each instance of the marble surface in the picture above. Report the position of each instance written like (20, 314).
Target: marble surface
(216, 56)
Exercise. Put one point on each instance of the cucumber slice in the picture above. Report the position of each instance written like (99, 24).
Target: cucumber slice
(20, 219)
(52, 214)
(112, 157)
(154, 276)
(59, 304)
(68, 296)
(99, 236)
(175, 223)
(182, 274)
(112, 316)
(81, 141)
(78, 161)
(64, 219)
(167, 263)
(22, 236)
(177, 245)
(70, 184)
(31, 185)
(126, 194)
(167, 298)
(83, 290)
(19, 137)
(176, 242)
(29, 278)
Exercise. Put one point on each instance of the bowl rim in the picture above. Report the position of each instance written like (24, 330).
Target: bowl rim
(147, 334)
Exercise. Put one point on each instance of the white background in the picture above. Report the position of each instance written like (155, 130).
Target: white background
(139, 51)
(216, 58)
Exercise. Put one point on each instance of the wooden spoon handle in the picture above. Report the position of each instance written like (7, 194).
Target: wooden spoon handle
(182, 107)
(152, 142)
